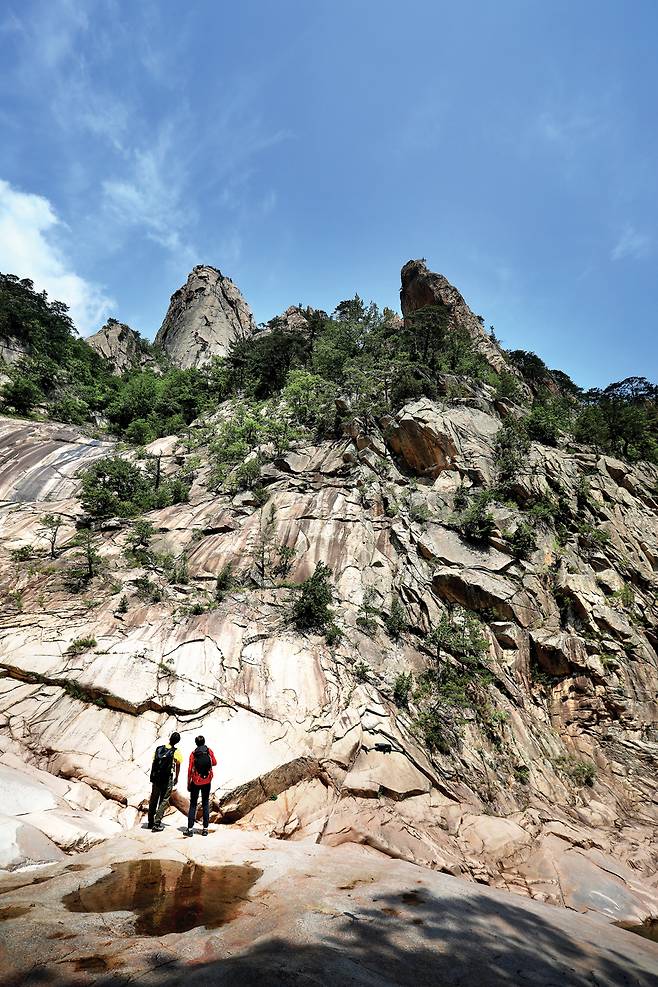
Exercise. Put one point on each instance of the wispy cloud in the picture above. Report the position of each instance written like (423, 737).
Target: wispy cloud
(569, 130)
(29, 247)
(150, 195)
(631, 244)
(133, 150)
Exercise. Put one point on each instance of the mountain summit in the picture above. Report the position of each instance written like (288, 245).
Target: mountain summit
(421, 288)
(203, 318)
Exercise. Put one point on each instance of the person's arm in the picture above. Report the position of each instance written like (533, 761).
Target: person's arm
(190, 769)
(213, 759)
(177, 763)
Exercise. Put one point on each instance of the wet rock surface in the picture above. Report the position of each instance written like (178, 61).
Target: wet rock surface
(288, 913)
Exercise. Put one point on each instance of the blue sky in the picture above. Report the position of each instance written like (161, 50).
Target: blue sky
(309, 149)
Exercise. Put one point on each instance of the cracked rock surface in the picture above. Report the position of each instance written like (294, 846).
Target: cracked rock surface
(203, 318)
(271, 912)
(311, 747)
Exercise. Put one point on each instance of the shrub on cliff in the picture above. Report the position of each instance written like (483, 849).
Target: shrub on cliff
(311, 611)
(21, 394)
(114, 487)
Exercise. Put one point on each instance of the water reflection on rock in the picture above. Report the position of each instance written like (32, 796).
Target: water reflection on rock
(168, 895)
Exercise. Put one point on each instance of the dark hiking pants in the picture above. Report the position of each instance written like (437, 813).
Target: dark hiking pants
(205, 802)
(159, 803)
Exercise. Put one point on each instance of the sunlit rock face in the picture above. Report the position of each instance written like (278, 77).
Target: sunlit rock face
(237, 907)
(496, 808)
(121, 346)
(203, 318)
(422, 287)
(313, 744)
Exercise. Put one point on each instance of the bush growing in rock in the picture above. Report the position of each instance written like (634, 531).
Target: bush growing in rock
(591, 537)
(87, 558)
(51, 523)
(114, 487)
(21, 394)
(548, 419)
(579, 771)
(397, 620)
(148, 590)
(523, 541)
(510, 454)
(81, 644)
(224, 582)
(522, 773)
(361, 672)
(456, 679)
(365, 619)
(311, 610)
(22, 554)
(402, 689)
(476, 523)
(246, 476)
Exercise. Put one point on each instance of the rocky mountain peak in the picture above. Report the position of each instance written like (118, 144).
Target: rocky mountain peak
(119, 344)
(422, 287)
(204, 316)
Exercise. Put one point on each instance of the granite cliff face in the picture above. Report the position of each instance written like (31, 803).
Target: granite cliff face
(422, 287)
(548, 789)
(203, 318)
(120, 346)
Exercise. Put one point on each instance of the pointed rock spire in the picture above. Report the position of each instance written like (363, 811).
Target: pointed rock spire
(203, 318)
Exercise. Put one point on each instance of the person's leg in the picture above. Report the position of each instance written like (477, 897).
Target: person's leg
(194, 798)
(205, 802)
(153, 803)
(163, 805)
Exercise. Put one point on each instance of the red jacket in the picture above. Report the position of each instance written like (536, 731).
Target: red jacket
(195, 779)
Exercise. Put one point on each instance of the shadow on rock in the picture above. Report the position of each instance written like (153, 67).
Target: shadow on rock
(408, 939)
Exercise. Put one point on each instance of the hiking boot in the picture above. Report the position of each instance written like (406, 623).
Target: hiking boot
(189, 832)
(157, 829)
(204, 832)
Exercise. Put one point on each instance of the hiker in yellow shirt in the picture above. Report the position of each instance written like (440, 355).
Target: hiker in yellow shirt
(164, 777)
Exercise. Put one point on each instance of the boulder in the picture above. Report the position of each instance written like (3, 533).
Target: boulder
(430, 439)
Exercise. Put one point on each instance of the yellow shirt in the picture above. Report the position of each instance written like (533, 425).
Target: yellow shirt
(178, 755)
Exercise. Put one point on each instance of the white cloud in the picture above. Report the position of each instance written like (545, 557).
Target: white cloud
(631, 244)
(29, 228)
(150, 196)
(570, 130)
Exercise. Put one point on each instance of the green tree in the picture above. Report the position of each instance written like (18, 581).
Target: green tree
(114, 487)
(312, 608)
(88, 553)
(21, 394)
(50, 530)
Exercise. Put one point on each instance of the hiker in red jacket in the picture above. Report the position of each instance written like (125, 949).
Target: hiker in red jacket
(199, 776)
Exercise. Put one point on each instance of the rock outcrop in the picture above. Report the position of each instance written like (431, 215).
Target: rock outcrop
(121, 346)
(11, 350)
(542, 781)
(239, 908)
(203, 318)
(310, 750)
(422, 287)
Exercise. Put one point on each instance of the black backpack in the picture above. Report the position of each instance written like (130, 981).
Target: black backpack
(163, 765)
(202, 762)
